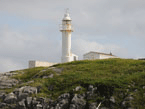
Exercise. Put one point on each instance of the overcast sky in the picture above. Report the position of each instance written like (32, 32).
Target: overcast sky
(29, 29)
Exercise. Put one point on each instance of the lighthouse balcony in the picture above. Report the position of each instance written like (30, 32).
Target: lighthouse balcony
(66, 27)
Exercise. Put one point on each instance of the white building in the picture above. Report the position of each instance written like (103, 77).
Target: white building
(66, 28)
(33, 64)
(97, 55)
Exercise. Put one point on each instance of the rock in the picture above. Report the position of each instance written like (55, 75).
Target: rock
(57, 70)
(104, 108)
(10, 98)
(22, 96)
(78, 88)
(78, 102)
(51, 75)
(72, 106)
(129, 98)
(8, 74)
(2, 105)
(6, 82)
(30, 90)
(63, 96)
(92, 106)
(16, 91)
(90, 95)
(39, 106)
(143, 87)
(63, 101)
(112, 99)
(29, 102)
(2, 95)
(34, 102)
(44, 77)
(21, 104)
(90, 88)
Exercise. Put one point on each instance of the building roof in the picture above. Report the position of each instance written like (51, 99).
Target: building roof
(100, 53)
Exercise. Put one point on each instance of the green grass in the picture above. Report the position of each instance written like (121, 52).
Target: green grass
(111, 76)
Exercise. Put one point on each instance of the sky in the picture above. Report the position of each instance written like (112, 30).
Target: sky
(29, 29)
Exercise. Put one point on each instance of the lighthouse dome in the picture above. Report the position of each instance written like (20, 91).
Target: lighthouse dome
(66, 17)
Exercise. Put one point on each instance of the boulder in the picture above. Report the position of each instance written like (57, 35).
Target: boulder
(92, 106)
(2, 95)
(21, 104)
(2, 105)
(73, 106)
(30, 90)
(10, 98)
(44, 77)
(78, 102)
(112, 99)
(39, 106)
(63, 101)
(57, 70)
(90, 88)
(22, 96)
(29, 102)
(78, 88)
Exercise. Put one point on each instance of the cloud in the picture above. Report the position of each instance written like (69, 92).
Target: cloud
(96, 17)
(17, 49)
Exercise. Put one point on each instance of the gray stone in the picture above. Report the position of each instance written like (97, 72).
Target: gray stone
(129, 98)
(21, 104)
(2, 105)
(78, 88)
(143, 87)
(78, 102)
(30, 90)
(22, 96)
(39, 106)
(64, 96)
(72, 106)
(8, 74)
(92, 106)
(63, 101)
(34, 102)
(2, 96)
(6, 82)
(51, 75)
(57, 70)
(29, 102)
(90, 88)
(112, 99)
(10, 98)
(44, 77)
(104, 108)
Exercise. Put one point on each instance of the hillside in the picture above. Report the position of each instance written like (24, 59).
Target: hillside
(112, 83)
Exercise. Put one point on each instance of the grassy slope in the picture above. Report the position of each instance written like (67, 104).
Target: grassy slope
(111, 76)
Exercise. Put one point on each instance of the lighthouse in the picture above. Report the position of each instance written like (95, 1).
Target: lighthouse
(66, 28)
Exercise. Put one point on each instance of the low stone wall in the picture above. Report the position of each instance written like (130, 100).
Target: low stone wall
(33, 64)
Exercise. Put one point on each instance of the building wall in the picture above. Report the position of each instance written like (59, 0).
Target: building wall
(91, 56)
(33, 64)
(106, 56)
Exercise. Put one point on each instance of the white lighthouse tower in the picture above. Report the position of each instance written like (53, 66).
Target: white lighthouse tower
(66, 28)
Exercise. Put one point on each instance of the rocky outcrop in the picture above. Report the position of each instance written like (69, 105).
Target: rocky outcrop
(20, 98)
(6, 82)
